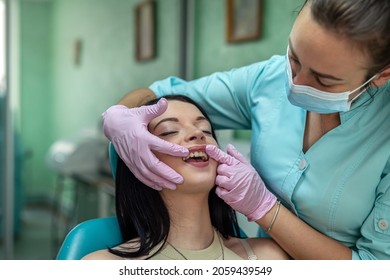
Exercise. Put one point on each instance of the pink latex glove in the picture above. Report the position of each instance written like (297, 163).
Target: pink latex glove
(239, 184)
(127, 130)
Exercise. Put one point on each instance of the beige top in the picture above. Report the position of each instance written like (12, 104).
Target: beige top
(216, 251)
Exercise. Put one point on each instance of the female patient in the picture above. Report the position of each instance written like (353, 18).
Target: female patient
(190, 222)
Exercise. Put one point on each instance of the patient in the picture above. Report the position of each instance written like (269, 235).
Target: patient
(190, 222)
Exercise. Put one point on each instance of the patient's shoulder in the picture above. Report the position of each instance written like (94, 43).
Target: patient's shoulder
(105, 254)
(263, 248)
(101, 255)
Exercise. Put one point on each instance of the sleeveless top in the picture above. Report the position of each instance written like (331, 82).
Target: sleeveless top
(216, 251)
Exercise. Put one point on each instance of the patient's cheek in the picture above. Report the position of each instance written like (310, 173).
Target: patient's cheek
(169, 160)
(158, 155)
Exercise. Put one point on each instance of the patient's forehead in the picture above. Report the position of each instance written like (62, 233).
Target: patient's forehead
(181, 108)
(178, 109)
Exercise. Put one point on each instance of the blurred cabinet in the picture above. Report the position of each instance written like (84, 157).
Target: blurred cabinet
(79, 198)
(18, 188)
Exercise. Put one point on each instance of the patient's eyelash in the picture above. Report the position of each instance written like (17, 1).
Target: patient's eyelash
(170, 132)
(167, 133)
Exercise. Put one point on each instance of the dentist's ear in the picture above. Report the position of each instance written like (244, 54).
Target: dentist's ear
(383, 78)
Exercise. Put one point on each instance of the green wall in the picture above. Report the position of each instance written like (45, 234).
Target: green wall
(213, 53)
(36, 94)
(108, 68)
(59, 99)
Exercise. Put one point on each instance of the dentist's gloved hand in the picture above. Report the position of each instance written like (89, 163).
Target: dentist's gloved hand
(239, 184)
(127, 130)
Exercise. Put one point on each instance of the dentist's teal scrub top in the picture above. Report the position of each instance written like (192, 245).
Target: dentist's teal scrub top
(341, 185)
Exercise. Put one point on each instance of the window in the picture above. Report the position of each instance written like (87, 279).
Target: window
(2, 47)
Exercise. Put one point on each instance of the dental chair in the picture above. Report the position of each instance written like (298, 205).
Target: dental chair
(89, 236)
(95, 234)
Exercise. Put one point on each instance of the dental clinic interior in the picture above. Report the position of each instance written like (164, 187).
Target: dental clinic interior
(64, 62)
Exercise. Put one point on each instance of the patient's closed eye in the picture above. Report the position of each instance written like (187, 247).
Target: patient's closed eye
(167, 133)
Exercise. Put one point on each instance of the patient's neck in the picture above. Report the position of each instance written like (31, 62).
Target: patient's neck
(191, 226)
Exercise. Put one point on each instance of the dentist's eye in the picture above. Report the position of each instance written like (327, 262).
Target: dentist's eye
(293, 60)
(323, 83)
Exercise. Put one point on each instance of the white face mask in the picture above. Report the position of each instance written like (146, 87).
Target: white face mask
(315, 100)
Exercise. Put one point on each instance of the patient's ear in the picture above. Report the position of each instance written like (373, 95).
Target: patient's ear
(383, 78)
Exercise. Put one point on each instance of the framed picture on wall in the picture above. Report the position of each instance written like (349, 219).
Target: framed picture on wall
(243, 20)
(145, 30)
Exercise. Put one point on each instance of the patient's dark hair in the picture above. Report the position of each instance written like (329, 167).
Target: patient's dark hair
(143, 216)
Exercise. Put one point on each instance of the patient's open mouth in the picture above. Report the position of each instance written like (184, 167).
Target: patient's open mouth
(197, 156)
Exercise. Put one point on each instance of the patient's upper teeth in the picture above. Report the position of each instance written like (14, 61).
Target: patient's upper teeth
(196, 154)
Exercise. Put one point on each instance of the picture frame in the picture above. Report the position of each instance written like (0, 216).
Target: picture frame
(77, 51)
(145, 30)
(243, 20)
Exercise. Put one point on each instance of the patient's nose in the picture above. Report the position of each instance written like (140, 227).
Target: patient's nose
(196, 135)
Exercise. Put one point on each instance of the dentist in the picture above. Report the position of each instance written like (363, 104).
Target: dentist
(319, 178)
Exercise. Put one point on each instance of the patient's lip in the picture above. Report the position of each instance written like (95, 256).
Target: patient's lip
(197, 148)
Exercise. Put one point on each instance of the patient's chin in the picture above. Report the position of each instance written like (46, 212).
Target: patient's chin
(196, 186)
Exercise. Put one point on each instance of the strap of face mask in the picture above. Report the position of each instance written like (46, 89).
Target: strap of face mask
(363, 85)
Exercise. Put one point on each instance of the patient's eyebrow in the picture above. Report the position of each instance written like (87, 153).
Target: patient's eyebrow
(166, 120)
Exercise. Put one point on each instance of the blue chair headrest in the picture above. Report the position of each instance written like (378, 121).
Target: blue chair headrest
(113, 157)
